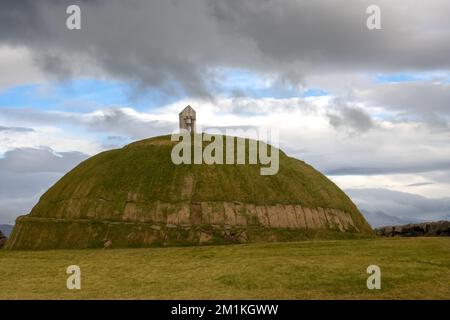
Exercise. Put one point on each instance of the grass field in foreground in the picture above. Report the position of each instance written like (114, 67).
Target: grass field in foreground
(411, 268)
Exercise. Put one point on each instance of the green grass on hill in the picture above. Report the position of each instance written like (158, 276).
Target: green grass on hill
(412, 268)
(143, 172)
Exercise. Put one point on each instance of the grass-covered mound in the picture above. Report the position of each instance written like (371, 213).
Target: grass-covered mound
(136, 196)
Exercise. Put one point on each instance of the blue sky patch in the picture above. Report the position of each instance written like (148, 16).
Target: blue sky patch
(411, 77)
(81, 95)
(243, 83)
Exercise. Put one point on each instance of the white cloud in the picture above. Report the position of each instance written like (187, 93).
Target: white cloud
(53, 137)
(17, 67)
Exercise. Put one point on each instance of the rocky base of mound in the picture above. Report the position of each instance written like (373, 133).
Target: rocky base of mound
(2, 240)
(439, 228)
(195, 224)
(210, 212)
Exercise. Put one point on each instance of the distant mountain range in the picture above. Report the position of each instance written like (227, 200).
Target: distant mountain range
(384, 207)
(6, 229)
(381, 219)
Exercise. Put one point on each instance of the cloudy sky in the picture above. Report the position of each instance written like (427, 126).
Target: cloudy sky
(369, 108)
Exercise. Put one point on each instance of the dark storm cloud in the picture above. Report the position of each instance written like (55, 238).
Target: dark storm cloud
(351, 118)
(160, 44)
(177, 46)
(21, 22)
(333, 34)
